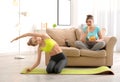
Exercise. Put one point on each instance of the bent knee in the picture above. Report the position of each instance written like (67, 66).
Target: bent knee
(77, 43)
(102, 43)
(57, 70)
(49, 70)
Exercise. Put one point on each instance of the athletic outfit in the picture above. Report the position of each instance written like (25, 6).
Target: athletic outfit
(88, 44)
(57, 62)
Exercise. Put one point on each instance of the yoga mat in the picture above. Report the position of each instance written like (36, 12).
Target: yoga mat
(70, 71)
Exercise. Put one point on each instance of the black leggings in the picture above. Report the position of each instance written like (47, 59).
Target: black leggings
(56, 63)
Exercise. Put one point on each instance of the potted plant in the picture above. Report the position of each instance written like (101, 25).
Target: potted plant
(54, 25)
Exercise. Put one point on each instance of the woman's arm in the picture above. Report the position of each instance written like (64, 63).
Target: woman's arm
(100, 37)
(37, 62)
(28, 34)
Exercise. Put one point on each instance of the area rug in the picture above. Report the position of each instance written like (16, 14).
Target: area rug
(70, 71)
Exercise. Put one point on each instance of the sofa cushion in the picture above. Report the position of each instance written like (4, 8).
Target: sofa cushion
(71, 51)
(78, 33)
(60, 35)
(90, 53)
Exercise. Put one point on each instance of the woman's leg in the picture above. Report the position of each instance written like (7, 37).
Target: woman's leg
(60, 65)
(50, 66)
(80, 45)
(98, 46)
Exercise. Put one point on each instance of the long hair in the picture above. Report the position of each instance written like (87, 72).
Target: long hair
(30, 43)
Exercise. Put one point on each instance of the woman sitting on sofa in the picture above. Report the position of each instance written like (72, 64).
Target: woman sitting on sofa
(91, 36)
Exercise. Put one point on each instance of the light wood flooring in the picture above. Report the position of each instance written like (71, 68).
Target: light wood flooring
(10, 69)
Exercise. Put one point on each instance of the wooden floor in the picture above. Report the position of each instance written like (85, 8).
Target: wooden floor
(10, 69)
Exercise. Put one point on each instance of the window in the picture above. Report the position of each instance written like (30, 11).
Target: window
(63, 12)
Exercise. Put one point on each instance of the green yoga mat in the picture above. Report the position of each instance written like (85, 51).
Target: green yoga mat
(71, 71)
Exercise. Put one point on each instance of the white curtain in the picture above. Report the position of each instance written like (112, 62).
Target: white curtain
(106, 14)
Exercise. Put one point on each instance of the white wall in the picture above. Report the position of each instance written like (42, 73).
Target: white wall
(7, 27)
(38, 11)
(74, 13)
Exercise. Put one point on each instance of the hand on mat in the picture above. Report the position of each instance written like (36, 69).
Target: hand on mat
(28, 70)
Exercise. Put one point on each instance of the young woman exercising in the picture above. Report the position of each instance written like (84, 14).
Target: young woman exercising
(57, 60)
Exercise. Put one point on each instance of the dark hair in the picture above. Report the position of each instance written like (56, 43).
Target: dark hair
(89, 17)
(30, 43)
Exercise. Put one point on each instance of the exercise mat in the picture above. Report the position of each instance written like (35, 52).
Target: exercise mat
(71, 71)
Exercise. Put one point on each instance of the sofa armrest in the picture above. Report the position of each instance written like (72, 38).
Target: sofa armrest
(110, 43)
